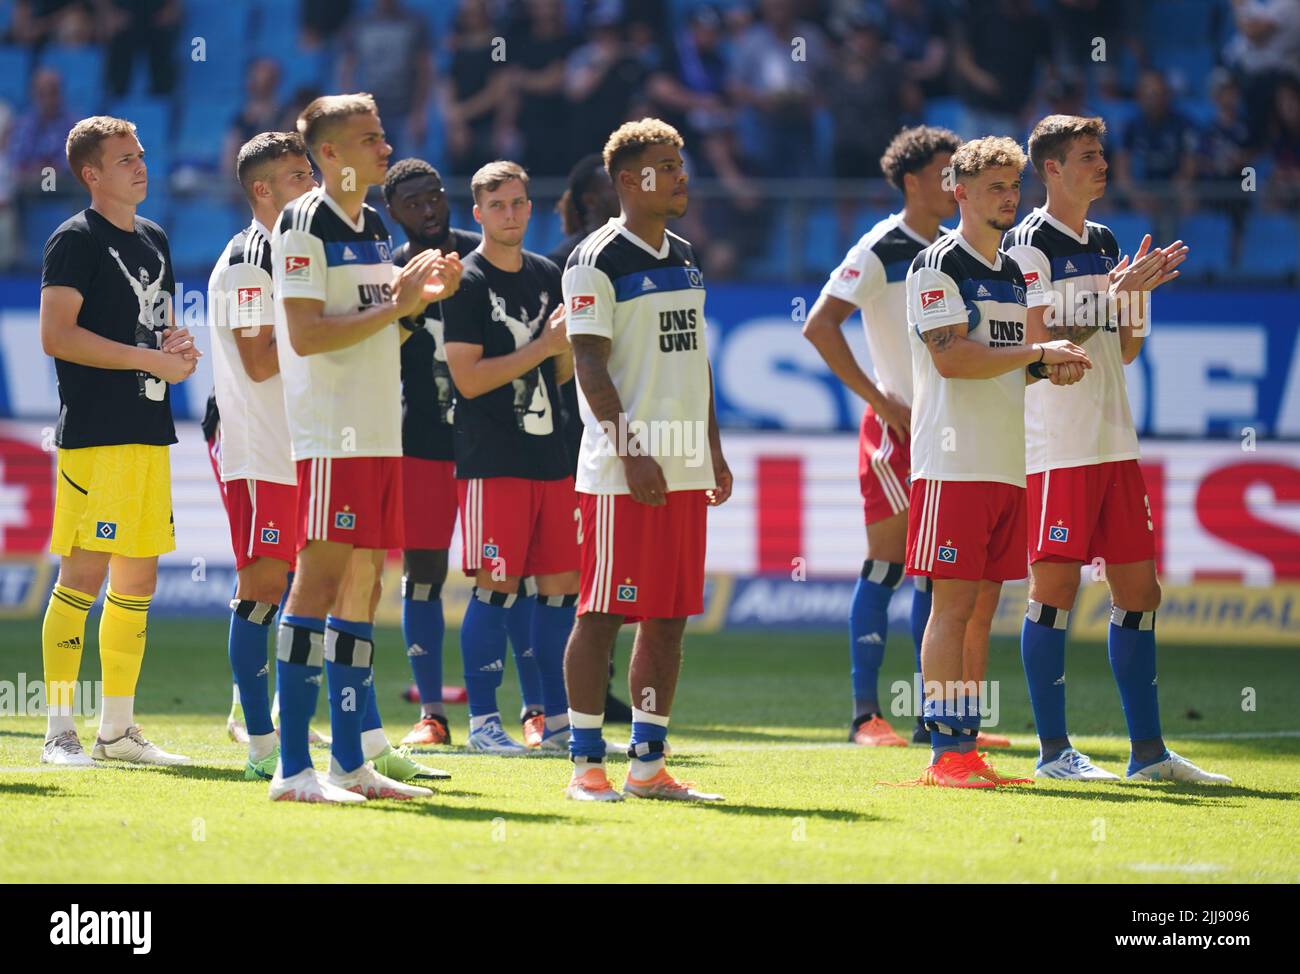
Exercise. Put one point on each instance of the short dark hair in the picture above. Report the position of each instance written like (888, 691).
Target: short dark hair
(912, 149)
(264, 148)
(584, 174)
(1053, 136)
(400, 172)
(494, 175)
(320, 118)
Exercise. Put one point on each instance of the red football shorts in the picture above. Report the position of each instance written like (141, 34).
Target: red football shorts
(428, 503)
(884, 464)
(643, 562)
(1096, 511)
(971, 529)
(523, 527)
(352, 500)
(263, 520)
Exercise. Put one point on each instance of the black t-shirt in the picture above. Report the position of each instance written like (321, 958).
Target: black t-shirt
(428, 396)
(515, 430)
(126, 284)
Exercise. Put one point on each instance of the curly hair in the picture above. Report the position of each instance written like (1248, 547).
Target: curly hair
(990, 152)
(400, 172)
(627, 141)
(913, 149)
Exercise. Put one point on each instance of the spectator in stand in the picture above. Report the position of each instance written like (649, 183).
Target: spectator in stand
(136, 26)
(320, 20)
(261, 112)
(302, 96)
(34, 22)
(1284, 145)
(1157, 147)
(478, 101)
(1075, 23)
(689, 91)
(1000, 47)
(1223, 151)
(539, 81)
(916, 30)
(386, 52)
(40, 134)
(867, 100)
(780, 67)
(1264, 51)
(8, 211)
(603, 78)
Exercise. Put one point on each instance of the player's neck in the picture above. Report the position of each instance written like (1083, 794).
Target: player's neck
(266, 215)
(503, 258)
(1072, 213)
(923, 224)
(647, 227)
(121, 215)
(420, 244)
(984, 239)
(349, 201)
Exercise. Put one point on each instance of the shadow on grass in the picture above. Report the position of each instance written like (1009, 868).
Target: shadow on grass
(40, 735)
(1178, 793)
(31, 789)
(430, 807)
(771, 811)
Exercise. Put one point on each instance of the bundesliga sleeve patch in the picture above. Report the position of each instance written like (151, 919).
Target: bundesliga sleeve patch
(248, 306)
(933, 303)
(850, 274)
(582, 307)
(297, 268)
(1033, 284)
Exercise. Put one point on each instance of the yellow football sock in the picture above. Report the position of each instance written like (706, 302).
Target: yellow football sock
(63, 636)
(121, 642)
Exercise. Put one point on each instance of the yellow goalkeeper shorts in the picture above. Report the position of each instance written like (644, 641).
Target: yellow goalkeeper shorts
(116, 499)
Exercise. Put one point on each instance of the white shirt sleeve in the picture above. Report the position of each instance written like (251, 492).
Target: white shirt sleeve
(246, 291)
(1037, 269)
(299, 259)
(934, 300)
(859, 278)
(589, 301)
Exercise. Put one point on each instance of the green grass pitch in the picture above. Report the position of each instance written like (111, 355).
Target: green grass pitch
(760, 717)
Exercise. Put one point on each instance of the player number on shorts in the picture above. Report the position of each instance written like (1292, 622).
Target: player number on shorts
(577, 516)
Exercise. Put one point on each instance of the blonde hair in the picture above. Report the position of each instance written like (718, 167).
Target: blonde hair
(990, 152)
(321, 117)
(628, 140)
(85, 141)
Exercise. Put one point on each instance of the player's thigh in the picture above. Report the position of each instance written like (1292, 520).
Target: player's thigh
(1134, 586)
(262, 580)
(425, 566)
(133, 576)
(1054, 583)
(84, 571)
(887, 538)
(561, 583)
(318, 576)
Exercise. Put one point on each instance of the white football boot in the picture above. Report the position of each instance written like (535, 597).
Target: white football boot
(1176, 768)
(1072, 765)
(492, 738)
(308, 786)
(368, 782)
(65, 749)
(134, 748)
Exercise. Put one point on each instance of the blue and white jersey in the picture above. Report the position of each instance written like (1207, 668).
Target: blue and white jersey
(650, 304)
(966, 429)
(345, 403)
(1090, 421)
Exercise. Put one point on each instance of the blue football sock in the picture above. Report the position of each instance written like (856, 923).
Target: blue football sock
(423, 629)
(585, 742)
(647, 737)
(552, 623)
(868, 628)
(249, 623)
(370, 719)
(519, 625)
(1042, 651)
(298, 659)
(483, 648)
(922, 596)
(944, 720)
(969, 720)
(349, 654)
(1131, 643)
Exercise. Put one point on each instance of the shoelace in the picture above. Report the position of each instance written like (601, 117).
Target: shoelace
(69, 742)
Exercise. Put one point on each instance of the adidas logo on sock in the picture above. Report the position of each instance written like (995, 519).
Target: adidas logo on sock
(495, 666)
(415, 649)
(871, 637)
(264, 671)
(1059, 681)
(369, 680)
(73, 643)
(314, 679)
(528, 653)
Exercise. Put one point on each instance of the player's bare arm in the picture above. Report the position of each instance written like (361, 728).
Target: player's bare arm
(1040, 328)
(645, 478)
(63, 338)
(824, 328)
(257, 352)
(1131, 279)
(563, 359)
(721, 472)
(311, 332)
(475, 375)
(957, 357)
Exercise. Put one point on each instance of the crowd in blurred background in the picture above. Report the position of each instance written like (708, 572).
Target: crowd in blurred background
(1202, 100)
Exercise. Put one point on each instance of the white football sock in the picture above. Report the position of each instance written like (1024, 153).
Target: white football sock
(374, 742)
(59, 720)
(644, 770)
(557, 722)
(117, 716)
(260, 745)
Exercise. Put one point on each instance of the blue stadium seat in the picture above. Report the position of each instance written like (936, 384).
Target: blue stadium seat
(200, 132)
(866, 218)
(1269, 246)
(82, 70)
(944, 112)
(198, 228)
(774, 263)
(40, 218)
(1210, 237)
(543, 229)
(822, 247)
(14, 62)
(1128, 229)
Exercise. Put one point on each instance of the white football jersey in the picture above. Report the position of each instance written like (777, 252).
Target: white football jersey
(254, 431)
(1090, 421)
(346, 403)
(966, 429)
(873, 276)
(650, 304)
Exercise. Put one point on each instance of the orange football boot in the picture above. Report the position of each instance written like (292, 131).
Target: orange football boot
(976, 763)
(534, 729)
(591, 786)
(876, 732)
(428, 732)
(951, 771)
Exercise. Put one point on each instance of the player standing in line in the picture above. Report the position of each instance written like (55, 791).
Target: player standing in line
(259, 484)
(1086, 496)
(508, 355)
(337, 301)
(966, 522)
(634, 298)
(106, 316)
(873, 278)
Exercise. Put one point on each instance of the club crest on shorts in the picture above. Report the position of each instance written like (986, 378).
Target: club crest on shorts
(270, 535)
(345, 520)
(491, 551)
(106, 530)
(626, 592)
(1058, 532)
(948, 553)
